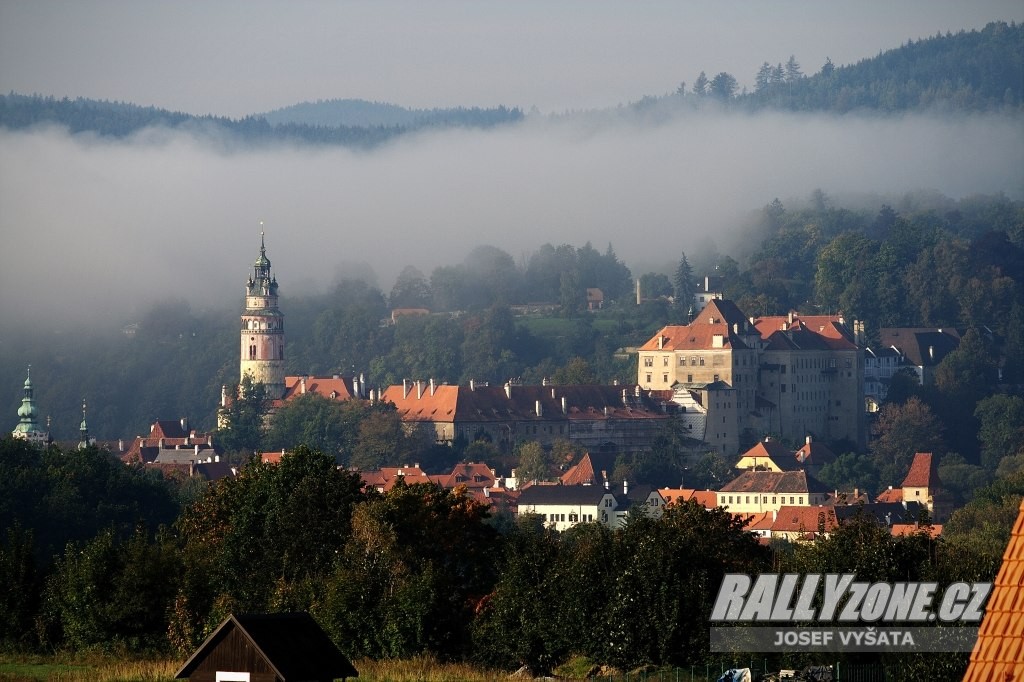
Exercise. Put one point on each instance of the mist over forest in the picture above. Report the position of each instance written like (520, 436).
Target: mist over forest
(98, 229)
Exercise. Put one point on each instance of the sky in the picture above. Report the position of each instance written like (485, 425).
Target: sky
(168, 215)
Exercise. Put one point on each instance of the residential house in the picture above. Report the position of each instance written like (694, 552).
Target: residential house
(170, 441)
(754, 492)
(564, 506)
(879, 367)
(797, 523)
(921, 348)
(705, 498)
(595, 299)
(712, 287)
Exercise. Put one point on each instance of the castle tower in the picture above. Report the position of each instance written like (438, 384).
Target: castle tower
(263, 329)
(28, 426)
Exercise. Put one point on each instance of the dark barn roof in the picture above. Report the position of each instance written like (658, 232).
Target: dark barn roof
(292, 645)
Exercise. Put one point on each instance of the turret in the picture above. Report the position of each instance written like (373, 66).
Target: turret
(262, 348)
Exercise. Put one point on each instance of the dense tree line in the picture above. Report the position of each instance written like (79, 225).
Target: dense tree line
(415, 570)
(978, 70)
(122, 119)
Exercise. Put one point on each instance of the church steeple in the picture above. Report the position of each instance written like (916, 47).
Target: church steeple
(262, 349)
(83, 430)
(28, 426)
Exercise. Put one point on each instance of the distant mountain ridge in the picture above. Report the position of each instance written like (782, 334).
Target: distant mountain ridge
(968, 71)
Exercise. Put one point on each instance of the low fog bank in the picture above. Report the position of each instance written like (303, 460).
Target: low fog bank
(95, 230)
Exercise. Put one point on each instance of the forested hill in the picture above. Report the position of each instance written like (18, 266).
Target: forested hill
(119, 119)
(967, 71)
(359, 113)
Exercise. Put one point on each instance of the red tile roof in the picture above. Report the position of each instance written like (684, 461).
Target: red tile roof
(999, 652)
(444, 403)
(719, 318)
(769, 449)
(774, 482)
(706, 498)
(923, 473)
(901, 529)
(811, 331)
(890, 495)
(336, 387)
(794, 519)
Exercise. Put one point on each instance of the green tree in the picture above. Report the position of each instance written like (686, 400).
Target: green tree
(310, 419)
(849, 471)
(21, 578)
(723, 86)
(243, 418)
(901, 431)
(534, 462)
(419, 560)
(655, 285)
(700, 85)
(684, 285)
(411, 290)
(1001, 432)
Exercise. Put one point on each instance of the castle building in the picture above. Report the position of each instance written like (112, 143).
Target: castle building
(790, 375)
(28, 425)
(262, 351)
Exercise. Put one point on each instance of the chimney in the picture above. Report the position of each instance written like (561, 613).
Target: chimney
(302, 384)
(790, 317)
(639, 300)
(552, 393)
(625, 487)
(160, 443)
(604, 475)
(544, 381)
(355, 387)
(362, 384)
(405, 388)
(184, 424)
(216, 458)
(419, 389)
(335, 376)
(508, 390)
(625, 398)
(196, 451)
(736, 328)
(209, 439)
(223, 398)
(540, 412)
(807, 440)
(606, 410)
(191, 468)
(432, 386)
(785, 326)
(931, 353)
(661, 341)
(565, 406)
(471, 386)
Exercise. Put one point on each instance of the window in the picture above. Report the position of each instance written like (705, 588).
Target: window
(783, 388)
(800, 500)
(225, 676)
(665, 361)
(664, 378)
(689, 378)
(716, 377)
(748, 499)
(773, 500)
(693, 361)
(682, 361)
(573, 518)
(648, 377)
(648, 361)
(700, 360)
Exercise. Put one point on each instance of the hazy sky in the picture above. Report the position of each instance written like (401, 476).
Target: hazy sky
(96, 229)
(235, 57)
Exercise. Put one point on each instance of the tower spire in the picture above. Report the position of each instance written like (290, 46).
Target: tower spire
(83, 430)
(28, 426)
(262, 349)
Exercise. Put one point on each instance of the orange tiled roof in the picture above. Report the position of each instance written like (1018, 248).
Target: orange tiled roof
(774, 451)
(825, 331)
(793, 519)
(473, 475)
(719, 318)
(489, 404)
(336, 387)
(901, 529)
(774, 482)
(890, 495)
(814, 453)
(706, 498)
(922, 472)
(999, 652)
(761, 521)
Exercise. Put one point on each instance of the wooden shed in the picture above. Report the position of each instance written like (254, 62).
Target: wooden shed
(267, 647)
